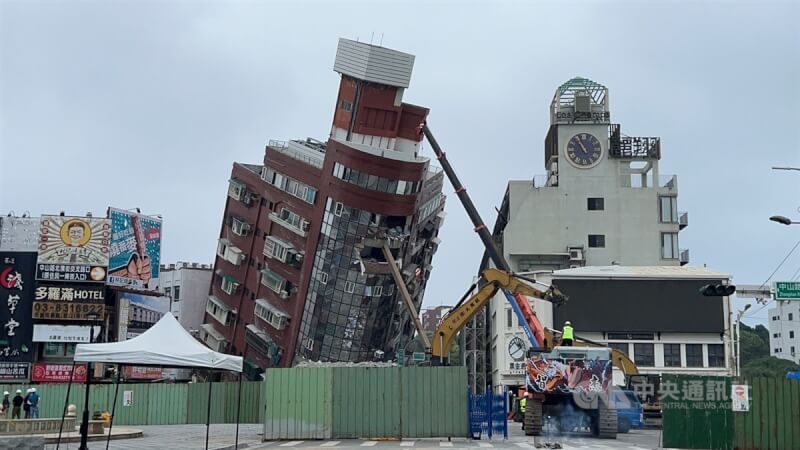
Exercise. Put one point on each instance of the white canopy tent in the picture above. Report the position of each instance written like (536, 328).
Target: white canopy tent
(166, 344)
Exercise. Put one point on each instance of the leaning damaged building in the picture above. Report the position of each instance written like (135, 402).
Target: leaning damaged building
(301, 272)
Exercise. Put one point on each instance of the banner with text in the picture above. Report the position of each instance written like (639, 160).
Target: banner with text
(16, 297)
(135, 252)
(15, 372)
(67, 334)
(73, 248)
(68, 302)
(58, 373)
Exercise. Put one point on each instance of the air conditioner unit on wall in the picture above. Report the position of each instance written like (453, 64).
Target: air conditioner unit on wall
(575, 253)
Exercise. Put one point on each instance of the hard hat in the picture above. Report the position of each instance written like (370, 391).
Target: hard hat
(6, 393)
(29, 391)
(33, 389)
(19, 392)
(567, 323)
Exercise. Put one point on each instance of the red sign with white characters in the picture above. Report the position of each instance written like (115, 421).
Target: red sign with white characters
(58, 373)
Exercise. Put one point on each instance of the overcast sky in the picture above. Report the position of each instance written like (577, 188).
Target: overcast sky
(147, 104)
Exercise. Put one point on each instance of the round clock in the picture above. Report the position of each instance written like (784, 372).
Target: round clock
(516, 348)
(584, 150)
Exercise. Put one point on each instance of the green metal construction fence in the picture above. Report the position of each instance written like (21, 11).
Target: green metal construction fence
(362, 402)
(696, 417)
(155, 404)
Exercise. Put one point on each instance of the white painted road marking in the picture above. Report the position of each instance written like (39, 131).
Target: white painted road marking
(407, 444)
(523, 445)
(369, 444)
(445, 444)
(330, 444)
(291, 443)
(484, 444)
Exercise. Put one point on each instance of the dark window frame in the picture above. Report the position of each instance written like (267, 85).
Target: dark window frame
(693, 360)
(644, 358)
(596, 204)
(718, 355)
(597, 241)
(670, 356)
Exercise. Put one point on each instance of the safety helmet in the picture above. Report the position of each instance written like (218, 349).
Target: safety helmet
(6, 393)
(19, 391)
(33, 389)
(567, 323)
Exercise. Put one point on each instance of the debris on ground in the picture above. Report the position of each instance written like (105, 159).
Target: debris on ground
(548, 445)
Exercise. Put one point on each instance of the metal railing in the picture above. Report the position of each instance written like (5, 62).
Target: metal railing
(283, 147)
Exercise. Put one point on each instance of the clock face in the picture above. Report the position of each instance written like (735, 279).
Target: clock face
(584, 150)
(516, 348)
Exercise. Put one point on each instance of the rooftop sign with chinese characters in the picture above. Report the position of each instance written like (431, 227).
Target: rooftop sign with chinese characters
(68, 302)
(16, 297)
(135, 250)
(73, 248)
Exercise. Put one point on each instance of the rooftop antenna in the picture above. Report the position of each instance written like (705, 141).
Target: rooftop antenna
(381, 44)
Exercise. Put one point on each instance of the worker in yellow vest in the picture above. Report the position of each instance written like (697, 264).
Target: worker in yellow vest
(567, 334)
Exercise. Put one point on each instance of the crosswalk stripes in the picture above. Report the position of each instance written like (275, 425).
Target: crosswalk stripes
(407, 444)
(330, 444)
(291, 443)
(445, 444)
(484, 444)
(369, 443)
(523, 445)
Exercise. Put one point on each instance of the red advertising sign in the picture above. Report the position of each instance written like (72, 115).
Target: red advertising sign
(142, 373)
(58, 373)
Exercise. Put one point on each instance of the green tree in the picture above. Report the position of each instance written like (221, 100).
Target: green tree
(756, 360)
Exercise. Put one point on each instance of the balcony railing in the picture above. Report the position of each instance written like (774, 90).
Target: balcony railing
(633, 147)
(683, 219)
(284, 148)
(684, 256)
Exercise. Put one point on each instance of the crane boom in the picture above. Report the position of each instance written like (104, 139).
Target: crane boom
(525, 314)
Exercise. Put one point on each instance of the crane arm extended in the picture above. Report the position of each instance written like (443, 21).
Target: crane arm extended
(493, 280)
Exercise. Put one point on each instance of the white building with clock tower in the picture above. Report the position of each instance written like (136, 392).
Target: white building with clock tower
(603, 202)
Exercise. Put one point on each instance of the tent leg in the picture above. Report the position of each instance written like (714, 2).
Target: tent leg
(114, 405)
(238, 411)
(66, 405)
(208, 413)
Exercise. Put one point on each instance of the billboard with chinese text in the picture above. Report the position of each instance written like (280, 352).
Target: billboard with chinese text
(135, 253)
(13, 371)
(73, 248)
(19, 234)
(137, 313)
(58, 373)
(68, 302)
(16, 298)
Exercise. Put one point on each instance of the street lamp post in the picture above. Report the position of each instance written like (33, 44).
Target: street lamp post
(739, 339)
(92, 316)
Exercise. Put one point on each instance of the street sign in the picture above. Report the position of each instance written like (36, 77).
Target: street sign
(740, 398)
(787, 290)
(419, 356)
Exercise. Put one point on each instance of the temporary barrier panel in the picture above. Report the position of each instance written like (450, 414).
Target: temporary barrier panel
(697, 412)
(365, 402)
(773, 418)
(298, 403)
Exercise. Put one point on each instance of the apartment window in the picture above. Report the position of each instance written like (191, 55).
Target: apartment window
(347, 106)
(270, 314)
(323, 278)
(777, 350)
(694, 355)
(672, 355)
(774, 318)
(290, 185)
(239, 226)
(275, 248)
(595, 204)
(349, 287)
(621, 346)
(644, 355)
(669, 246)
(775, 335)
(338, 209)
(790, 316)
(293, 220)
(716, 355)
(377, 291)
(168, 291)
(273, 281)
(229, 284)
(597, 240)
(792, 349)
(509, 318)
(668, 206)
(236, 189)
(791, 335)
(177, 295)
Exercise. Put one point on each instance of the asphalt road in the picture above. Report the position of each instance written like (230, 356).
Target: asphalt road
(185, 437)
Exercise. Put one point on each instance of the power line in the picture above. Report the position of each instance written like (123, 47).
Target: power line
(770, 277)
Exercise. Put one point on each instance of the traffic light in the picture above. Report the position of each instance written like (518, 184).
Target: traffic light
(718, 290)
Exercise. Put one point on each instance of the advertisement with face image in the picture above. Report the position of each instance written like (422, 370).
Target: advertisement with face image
(73, 248)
